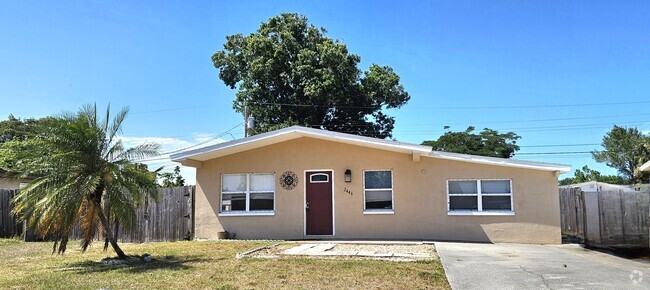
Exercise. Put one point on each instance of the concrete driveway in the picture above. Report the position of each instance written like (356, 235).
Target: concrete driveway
(519, 266)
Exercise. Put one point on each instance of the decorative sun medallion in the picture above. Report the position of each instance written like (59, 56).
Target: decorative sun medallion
(289, 180)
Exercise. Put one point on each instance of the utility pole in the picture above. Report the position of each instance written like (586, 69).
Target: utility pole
(245, 121)
(249, 121)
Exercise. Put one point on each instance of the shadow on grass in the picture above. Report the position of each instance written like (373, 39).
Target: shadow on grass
(135, 264)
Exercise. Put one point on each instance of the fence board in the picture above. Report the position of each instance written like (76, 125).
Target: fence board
(620, 219)
(9, 227)
(572, 214)
(624, 218)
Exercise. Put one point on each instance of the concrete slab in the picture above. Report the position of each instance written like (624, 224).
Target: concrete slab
(365, 253)
(299, 249)
(518, 266)
(319, 249)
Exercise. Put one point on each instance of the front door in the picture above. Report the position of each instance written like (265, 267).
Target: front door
(318, 207)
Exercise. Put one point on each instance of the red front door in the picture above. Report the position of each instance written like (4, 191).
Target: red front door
(319, 203)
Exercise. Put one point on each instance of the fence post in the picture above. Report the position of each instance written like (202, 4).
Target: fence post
(622, 206)
(585, 230)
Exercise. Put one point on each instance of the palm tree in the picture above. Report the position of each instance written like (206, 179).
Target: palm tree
(81, 166)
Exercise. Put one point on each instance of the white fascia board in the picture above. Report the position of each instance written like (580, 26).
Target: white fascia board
(562, 168)
(645, 166)
(239, 145)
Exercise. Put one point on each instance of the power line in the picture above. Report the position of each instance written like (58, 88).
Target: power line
(521, 129)
(174, 109)
(559, 145)
(419, 107)
(457, 108)
(553, 153)
(206, 141)
(188, 147)
(503, 122)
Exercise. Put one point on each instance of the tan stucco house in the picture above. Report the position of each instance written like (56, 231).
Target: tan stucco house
(6, 182)
(304, 183)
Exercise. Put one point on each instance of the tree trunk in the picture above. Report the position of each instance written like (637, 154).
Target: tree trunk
(109, 234)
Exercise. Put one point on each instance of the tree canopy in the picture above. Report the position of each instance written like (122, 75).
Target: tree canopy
(486, 143)
(586, 174)
(290, 73)
(625, 149)
(171, 179)
(15, 128)
(82, 175)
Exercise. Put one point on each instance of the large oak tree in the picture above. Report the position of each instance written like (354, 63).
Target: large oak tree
(290, 73)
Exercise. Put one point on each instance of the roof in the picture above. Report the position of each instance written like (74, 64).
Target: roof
(592, 186)
(294, 132)
(563, 168)
(645, 166)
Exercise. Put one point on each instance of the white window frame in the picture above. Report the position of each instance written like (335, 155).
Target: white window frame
(248, 192)
(479, 195)
(392, 194)
(327, 179)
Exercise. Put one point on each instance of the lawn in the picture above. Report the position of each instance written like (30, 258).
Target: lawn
(202, 265)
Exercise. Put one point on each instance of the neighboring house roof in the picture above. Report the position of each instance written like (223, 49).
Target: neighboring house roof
(590, 186)
(645, 166)
(191, 157)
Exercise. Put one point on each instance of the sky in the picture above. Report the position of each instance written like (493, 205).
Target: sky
(554, 72)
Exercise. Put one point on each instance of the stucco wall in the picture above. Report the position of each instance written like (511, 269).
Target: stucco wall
(420, 200)
(6, 183)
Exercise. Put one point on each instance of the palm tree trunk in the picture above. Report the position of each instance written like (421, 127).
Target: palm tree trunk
(109, 234)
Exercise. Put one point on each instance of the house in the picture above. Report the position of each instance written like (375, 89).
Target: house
(304, 183)
(8, 183)
(597, 186)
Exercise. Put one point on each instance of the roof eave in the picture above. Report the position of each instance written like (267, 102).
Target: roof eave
(561, 168)
(296, 132)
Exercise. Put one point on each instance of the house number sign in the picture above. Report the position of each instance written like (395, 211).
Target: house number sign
(288, 180)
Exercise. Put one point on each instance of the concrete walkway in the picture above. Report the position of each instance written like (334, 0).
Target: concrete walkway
(518, 266)
(406, 252)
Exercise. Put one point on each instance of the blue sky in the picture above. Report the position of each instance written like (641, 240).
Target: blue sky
(506, 65)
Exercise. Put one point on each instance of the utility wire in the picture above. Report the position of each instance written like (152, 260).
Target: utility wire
(420, 107)
(560, 145)
(188, 147)
(503, 122)
(458, 108)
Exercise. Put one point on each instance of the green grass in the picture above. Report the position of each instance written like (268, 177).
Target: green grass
(185, 265)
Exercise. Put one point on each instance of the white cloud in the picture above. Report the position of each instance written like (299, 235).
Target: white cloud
(202, 137)
(166, 143)
(172, 145)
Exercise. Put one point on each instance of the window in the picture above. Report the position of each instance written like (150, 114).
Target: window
(247, 193)
(378, 190)
(319, 178)
(480, 196)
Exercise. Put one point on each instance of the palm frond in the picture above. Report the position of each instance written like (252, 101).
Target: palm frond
(142, 151)
(116, 127)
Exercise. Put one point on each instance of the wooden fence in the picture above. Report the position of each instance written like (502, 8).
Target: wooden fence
(9, 227)
(169, 219)
(607, 218)
(572, 215)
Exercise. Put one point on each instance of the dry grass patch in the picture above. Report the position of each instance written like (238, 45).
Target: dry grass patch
(186, 265)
